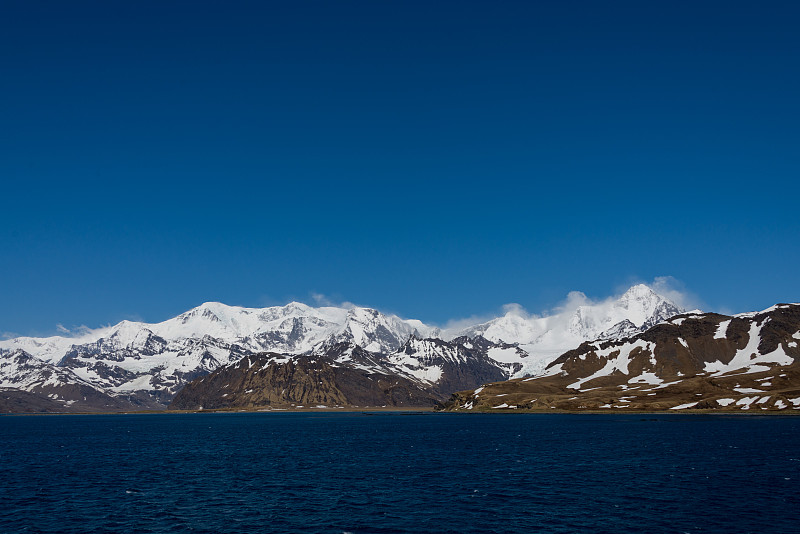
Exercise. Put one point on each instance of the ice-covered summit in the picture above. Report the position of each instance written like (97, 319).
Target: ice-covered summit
(639, 305)
(547, 336)
(376, 332)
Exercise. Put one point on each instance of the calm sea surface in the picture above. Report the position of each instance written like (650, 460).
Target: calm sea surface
(354, 472)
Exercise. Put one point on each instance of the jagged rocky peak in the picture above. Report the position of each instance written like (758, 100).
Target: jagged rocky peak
(208, 310)
(622, 329)
(649, 307)
(16, 357)
(374, 331)
(131, 335)
(20, 370)
(415, 343)
(640, 306)
(292, 309)
(461, 345)
(125, 340)
(336, 350)
(448, 365)
(347, 352)
(641, 294)
(479, 342)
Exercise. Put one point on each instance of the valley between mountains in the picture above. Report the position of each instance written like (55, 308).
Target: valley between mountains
(636, 352)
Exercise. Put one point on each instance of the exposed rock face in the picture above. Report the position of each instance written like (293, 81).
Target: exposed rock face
(273, 380)
(421, 373)
(375, 331)
(621, 330)
(450, 365)
(744, 362)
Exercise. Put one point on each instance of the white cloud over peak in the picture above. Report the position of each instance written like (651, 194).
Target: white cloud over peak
(675, 291)
(513, 308)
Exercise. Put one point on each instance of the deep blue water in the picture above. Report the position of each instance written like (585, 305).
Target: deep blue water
(353, 472)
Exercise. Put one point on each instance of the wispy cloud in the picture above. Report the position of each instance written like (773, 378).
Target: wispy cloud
(675, 291)
(82, 330)
(8, 335)
(512, 308)
(323, 300)
(266, 301)
(456, 325)
(666, 286)
(75, 331)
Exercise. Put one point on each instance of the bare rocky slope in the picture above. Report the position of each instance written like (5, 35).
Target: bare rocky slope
(747, 362)
(422, 372)
(269, 381)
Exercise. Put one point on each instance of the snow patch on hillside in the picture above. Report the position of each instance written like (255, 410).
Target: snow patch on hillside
(722, 330)
(749, 359)
(617, 360)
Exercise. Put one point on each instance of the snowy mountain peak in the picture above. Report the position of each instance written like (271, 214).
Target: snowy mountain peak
(214, 312)
(373, 330)
(208, 309)
(296, 308)
(128, 333)
(579, 319)
(639, 292)
(640, 304)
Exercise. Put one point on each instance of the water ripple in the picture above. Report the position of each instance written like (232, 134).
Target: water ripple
(340, 473)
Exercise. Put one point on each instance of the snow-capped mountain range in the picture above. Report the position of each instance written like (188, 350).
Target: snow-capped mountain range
(156, 360)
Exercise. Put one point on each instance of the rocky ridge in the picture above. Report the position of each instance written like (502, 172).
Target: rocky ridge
(422, 372)
(689, 362)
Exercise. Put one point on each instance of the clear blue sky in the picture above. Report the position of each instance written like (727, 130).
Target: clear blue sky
(433, 159)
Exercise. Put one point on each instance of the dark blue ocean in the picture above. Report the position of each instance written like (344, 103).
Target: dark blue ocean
(385, 473)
